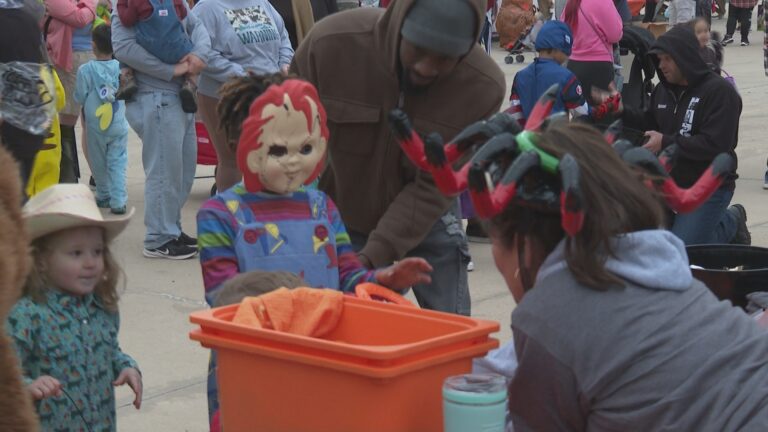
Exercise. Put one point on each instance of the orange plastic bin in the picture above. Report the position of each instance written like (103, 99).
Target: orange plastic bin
(381, 369)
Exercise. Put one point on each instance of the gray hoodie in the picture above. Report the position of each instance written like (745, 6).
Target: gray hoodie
(660, 354)
(245, 35)
(151, 73)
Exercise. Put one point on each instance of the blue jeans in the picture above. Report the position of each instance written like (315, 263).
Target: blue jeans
(109, 157)
(169, 156)
(445, 248)
(709, 224)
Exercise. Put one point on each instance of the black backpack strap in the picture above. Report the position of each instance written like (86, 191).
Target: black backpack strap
(47, 24)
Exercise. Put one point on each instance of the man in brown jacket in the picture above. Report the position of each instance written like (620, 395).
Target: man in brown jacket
(420, 56)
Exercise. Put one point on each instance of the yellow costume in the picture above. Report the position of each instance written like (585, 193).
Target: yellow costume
(45, 171)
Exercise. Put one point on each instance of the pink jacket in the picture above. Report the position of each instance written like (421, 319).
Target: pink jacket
(66, 14)
(599, 27)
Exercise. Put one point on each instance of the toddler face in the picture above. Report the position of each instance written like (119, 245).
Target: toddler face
(702, 33)
(75, 260)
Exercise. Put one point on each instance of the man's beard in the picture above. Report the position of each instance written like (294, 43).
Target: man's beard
(408, 86)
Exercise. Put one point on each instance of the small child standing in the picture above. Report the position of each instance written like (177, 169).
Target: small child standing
(97, 82)
(709, 44)
(553, 44)
(65, 326)
(159, 30)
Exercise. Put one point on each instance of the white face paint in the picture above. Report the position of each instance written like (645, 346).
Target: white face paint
(290, 153)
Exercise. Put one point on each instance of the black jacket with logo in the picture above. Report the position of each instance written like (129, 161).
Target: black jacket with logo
(701, 118)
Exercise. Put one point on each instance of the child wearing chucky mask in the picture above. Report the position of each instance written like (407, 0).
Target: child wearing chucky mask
(272, 222)
(65, 326)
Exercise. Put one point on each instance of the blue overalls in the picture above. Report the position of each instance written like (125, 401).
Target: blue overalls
(162, 33)
(304, 247)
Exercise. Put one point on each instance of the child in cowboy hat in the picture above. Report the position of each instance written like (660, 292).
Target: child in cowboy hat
(65, 326)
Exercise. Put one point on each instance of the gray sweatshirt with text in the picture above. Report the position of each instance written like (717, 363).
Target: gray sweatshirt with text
(246, 35)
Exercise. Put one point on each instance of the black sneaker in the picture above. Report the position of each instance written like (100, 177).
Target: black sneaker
(728, 39)
(742, 236)
(188, 97)
(745, 43)
(187, 240)
(172, 250)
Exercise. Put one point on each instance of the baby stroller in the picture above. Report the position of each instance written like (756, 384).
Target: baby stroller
(637, 91)
(525, 43)
(206, 153)
(513, 23)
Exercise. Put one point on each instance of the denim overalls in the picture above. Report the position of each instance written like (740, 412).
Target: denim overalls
(305, 247)
(162, 34)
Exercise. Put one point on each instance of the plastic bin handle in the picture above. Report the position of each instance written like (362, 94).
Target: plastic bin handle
(372, 291)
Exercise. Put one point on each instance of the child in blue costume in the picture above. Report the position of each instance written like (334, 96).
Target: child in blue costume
(65, 326)
(553, 43)
(97, 82)
(270, 221)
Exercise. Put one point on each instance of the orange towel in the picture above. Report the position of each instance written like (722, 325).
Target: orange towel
(303, 311)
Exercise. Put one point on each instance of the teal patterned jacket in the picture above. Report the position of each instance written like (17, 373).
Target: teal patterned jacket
(74, 340)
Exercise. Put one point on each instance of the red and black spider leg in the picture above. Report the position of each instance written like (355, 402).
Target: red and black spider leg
(505, 191)
(571, 199)
(542, 109)
(688, 200)
(667, 157)
(493, 150)
(478, 133)
(643, 158)
(621, 146)
(449, 182)
(613, 131)
(479, 192)
(409, 140)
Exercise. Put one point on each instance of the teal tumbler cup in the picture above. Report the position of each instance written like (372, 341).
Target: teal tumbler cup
(475, 403)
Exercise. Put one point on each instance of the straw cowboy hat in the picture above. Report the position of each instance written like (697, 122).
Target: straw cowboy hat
(64, 206)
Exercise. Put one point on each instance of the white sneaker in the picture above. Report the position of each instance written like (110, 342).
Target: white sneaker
(470, 266)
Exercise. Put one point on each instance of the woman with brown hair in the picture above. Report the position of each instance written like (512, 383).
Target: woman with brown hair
(611, 330)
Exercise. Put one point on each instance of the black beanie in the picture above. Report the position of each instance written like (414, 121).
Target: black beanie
(443, 26)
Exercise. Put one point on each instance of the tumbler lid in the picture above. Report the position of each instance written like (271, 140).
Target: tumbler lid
(475, 388)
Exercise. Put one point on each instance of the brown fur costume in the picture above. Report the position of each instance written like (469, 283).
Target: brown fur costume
(16, 410)
(515, 16)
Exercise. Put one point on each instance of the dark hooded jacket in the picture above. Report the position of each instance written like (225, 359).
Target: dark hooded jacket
(352, 57)
(701, 118)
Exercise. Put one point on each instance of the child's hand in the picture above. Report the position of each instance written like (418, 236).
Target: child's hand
(196, 64)
(405, 273)
(133, 378)
(44, 387)
(181, 68)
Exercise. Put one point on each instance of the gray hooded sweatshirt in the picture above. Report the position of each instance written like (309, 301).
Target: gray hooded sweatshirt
(660, 354)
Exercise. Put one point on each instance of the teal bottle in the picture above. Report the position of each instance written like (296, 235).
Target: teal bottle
(475, 403)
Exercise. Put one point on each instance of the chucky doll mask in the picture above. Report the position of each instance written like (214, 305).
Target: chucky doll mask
(284, 139)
